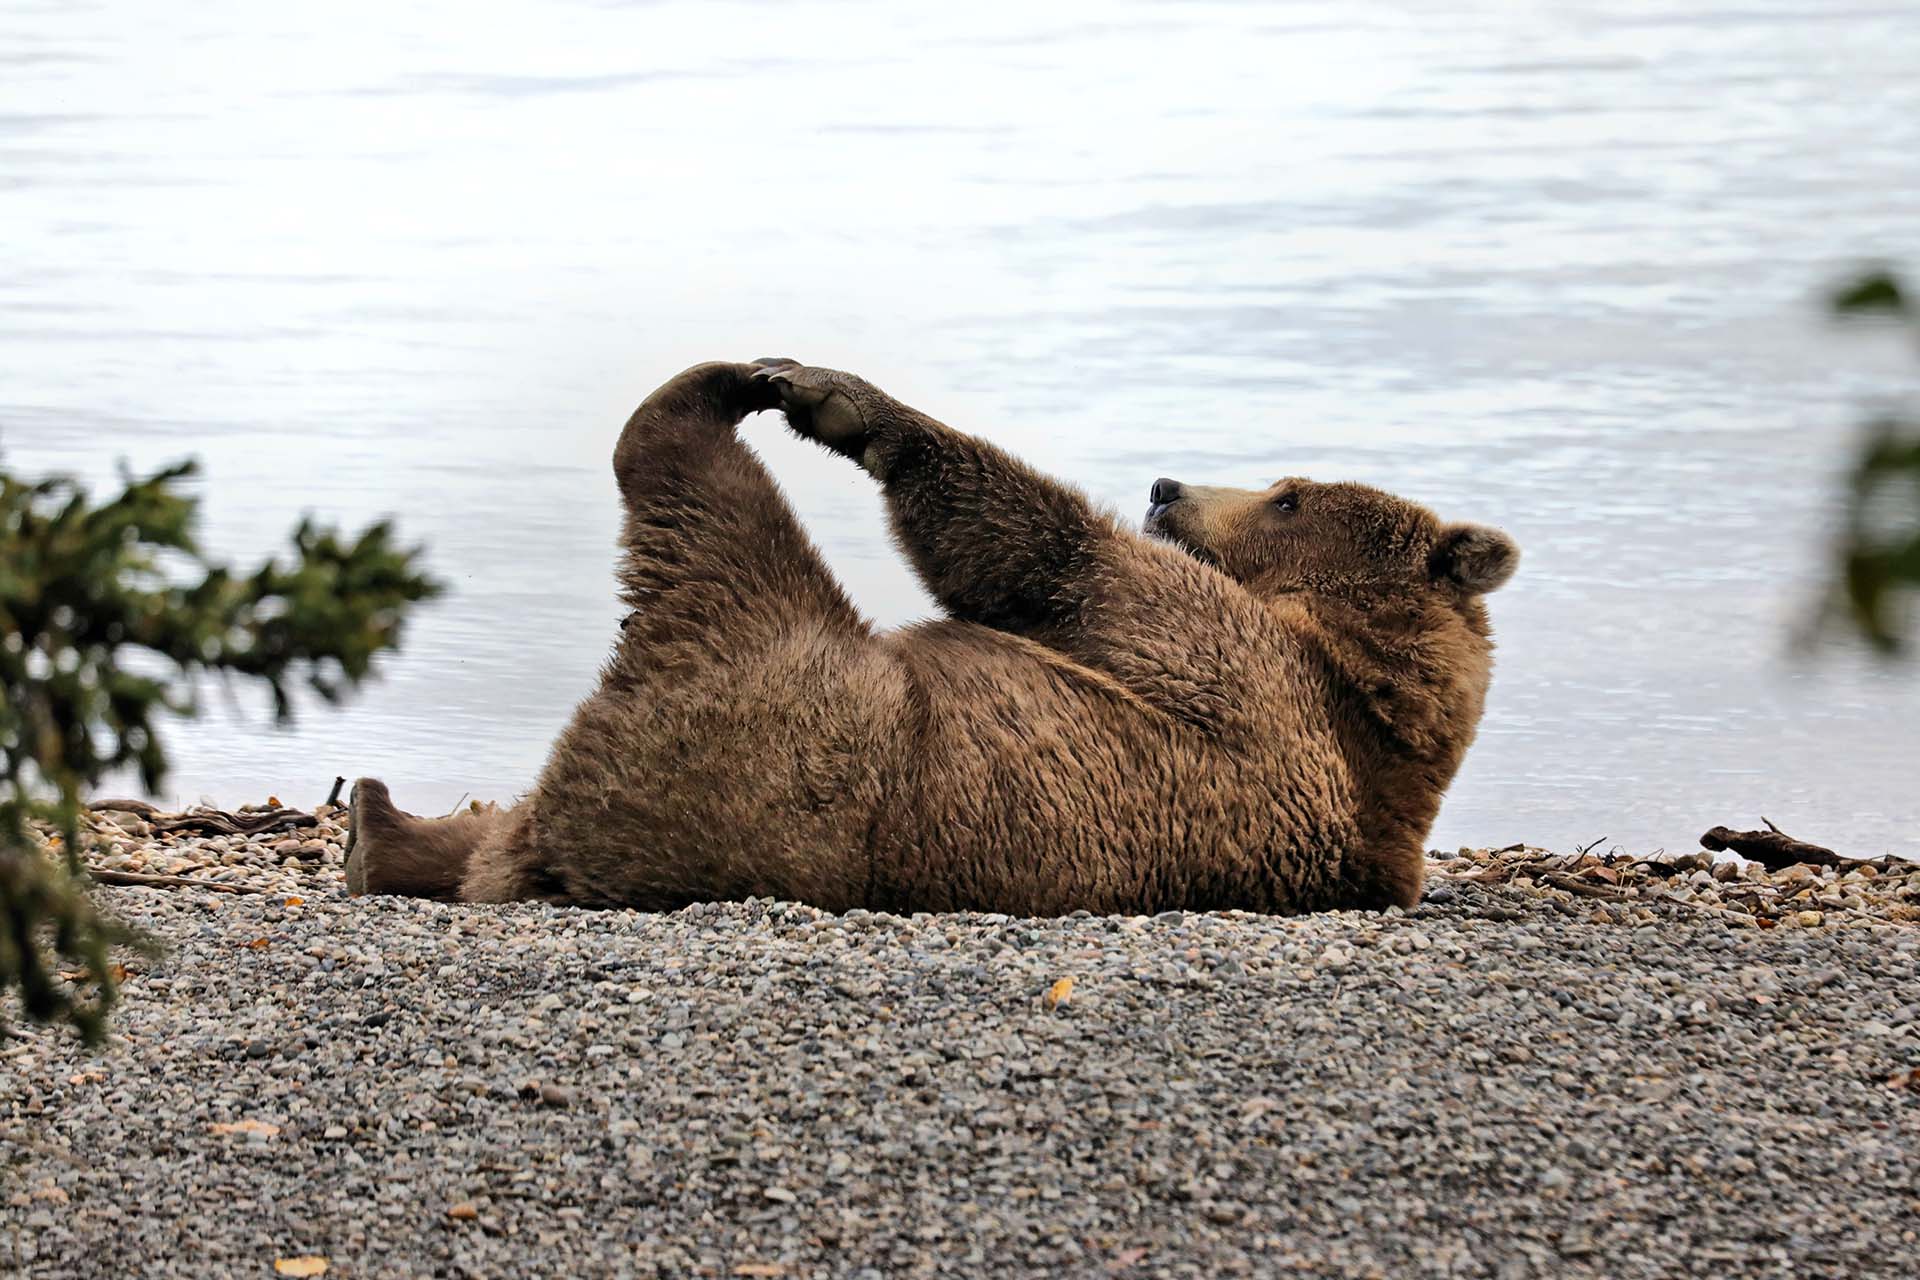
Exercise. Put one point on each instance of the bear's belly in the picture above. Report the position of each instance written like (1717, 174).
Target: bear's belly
(1031, 790)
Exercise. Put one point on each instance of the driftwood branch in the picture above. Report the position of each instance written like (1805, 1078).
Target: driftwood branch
(140, 807)
(203, 821)
(333, 796)
(1773, 848)
(217, 823)
(1586, 888)
(105, 876)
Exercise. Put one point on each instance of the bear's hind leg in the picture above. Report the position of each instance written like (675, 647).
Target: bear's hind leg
(392, 852)
(735, 744)
(507, 866)
(714, 562)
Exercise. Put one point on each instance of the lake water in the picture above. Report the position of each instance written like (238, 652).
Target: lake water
(1554, 267)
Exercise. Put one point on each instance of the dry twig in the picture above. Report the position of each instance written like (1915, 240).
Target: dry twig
(105, 876)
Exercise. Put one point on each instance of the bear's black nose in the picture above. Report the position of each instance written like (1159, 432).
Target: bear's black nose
(1164, 490)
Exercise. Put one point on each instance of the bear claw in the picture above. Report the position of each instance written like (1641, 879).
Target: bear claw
(800, 384)
(821, 404)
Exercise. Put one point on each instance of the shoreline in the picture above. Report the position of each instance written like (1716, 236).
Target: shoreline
(1513, 1079)
(302, 852)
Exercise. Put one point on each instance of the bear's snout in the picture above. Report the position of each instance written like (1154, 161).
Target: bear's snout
(1164, 494)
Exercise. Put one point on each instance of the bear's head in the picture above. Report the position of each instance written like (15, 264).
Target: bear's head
(1385, 597)
(1343, 541)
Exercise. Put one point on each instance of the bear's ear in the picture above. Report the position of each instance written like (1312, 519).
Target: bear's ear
(1473, 557)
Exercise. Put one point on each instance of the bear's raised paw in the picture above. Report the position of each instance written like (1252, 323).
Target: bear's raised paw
(825, 405)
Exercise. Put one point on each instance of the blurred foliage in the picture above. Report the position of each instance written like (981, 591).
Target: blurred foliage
(110, 615)
(1879, 555)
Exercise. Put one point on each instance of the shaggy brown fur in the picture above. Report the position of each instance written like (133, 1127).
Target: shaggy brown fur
(1258, 706)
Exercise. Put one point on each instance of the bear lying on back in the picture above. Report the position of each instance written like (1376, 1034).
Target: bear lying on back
(1256, 703)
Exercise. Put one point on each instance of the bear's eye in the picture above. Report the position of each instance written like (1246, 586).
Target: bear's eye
(1287, 502)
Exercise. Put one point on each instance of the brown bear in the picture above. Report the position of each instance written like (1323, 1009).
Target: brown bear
(1255, 705)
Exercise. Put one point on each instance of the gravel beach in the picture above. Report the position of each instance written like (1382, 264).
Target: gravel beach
(1519, 1078)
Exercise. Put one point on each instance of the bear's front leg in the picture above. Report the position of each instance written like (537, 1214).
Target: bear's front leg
(995, 541)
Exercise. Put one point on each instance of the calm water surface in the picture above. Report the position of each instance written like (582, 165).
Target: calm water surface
(1552, 267)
